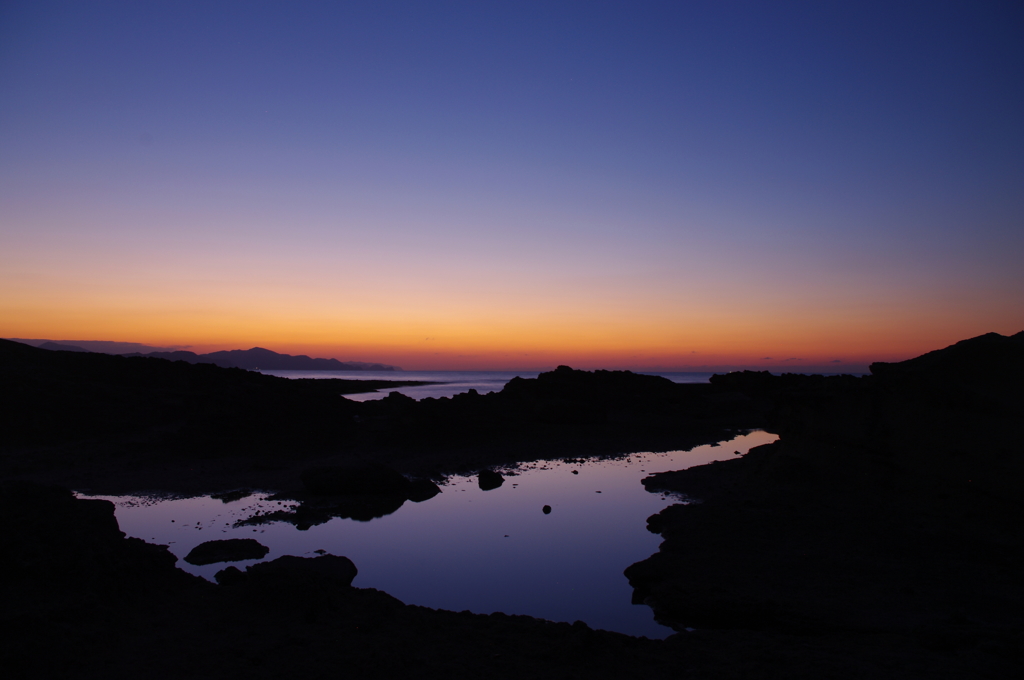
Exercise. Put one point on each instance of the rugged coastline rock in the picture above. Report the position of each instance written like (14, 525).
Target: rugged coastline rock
(81, 600)
(109, 423)
(489, 479)
(328, 570)
(355, 477)
(881, 537)
(890, 506)
(259, 358)
(226, 550)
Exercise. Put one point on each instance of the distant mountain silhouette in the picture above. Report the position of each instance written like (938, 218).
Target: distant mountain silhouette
(257, 357)
(101, 346)
(56, 346)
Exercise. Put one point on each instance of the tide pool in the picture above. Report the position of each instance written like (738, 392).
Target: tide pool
(466, 548)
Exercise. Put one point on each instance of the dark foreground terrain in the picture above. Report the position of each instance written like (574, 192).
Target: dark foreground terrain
(880, 537)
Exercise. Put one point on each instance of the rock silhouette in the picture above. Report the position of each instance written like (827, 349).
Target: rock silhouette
(887, 505)
(329, 570)
(228, 550)
(81, 600)
(77, 417)
(260, 358)
(879, 537)
(355, 477)
(489, 479)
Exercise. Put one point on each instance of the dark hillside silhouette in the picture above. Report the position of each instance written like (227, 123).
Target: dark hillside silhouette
(890, 505)
(96, 411)
(879, 537)
(265, 359)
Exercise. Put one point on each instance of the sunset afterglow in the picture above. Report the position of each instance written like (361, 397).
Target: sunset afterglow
(514, 186)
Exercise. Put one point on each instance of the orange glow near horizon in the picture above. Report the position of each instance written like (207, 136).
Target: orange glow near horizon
(468, 336)
(668, 190)
(645, 317)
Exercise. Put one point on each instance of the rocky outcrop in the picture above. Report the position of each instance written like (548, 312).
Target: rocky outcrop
(77, 417)
(265, 359)
(355, 478)
(360, 490)
(330, 570)
(422, 490)
(81, 600)
(228, 550)
(60, 552)
(886, 508)
(489, 479)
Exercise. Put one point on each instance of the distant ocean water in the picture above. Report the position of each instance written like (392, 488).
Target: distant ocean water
(450, 383)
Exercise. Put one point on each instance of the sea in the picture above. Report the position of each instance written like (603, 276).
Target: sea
(448, 383)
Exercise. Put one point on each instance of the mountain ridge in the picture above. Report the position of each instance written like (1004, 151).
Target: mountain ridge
(249, 359)
(261, 358)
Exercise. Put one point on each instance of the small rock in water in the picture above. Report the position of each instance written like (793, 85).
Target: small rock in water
(547, 509)
(422, 489)
(229, 496)
(489, 479)
(231, 550)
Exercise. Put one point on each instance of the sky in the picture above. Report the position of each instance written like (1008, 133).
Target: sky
(515, 185)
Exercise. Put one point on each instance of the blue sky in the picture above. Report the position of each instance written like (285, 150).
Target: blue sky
(849, 172)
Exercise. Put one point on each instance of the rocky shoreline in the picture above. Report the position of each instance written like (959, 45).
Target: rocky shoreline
(889, 508)
(880, 537)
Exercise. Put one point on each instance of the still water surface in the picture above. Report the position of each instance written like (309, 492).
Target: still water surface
(484, 551)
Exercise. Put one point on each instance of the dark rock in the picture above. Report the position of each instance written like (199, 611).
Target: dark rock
(331, 569)
(230, 576)
(359, 508)
(356, 478)
(259, 358)
(230, 550)
(59, 347)
(422, 489)
(489, 479)
(230, 496)
(57, 549)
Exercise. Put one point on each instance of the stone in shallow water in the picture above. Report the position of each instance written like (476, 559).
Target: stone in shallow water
(230, 550)
(489, 479)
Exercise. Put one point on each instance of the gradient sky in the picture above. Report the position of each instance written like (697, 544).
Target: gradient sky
(491, 185)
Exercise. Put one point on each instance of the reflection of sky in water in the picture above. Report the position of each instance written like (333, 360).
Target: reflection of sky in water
(450, 382)
(484, 551)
